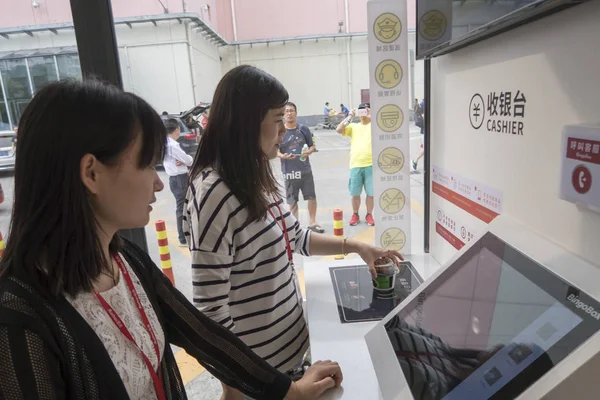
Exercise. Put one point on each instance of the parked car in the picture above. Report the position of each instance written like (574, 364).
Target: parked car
(194, 118)
(187, 139)
(7, 151)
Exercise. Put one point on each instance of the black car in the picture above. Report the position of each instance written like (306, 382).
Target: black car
(187, 138)
(191, 118)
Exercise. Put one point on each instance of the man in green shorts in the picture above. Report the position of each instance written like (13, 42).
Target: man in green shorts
(361, 161)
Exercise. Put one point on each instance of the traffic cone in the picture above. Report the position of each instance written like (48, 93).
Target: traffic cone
(338, 227)
(163, 250)
(1, 244)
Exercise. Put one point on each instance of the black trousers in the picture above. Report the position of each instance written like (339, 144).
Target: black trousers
(179, 185)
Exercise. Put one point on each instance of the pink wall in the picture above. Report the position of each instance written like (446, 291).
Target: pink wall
(54, 11)
(256, 19)
(224, 21)
(261, 19)
(130, 8)
(22, 12)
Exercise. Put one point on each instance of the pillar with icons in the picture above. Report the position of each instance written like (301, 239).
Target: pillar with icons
(388, 69)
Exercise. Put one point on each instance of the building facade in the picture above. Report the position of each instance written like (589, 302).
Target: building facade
(174, 52)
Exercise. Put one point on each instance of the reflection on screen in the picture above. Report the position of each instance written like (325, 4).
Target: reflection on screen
(443, 22)
(472, 334)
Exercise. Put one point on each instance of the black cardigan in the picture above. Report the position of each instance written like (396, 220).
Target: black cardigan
(48, 351)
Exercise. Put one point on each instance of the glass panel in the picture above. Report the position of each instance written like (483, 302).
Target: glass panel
(441, 23)
(4, 121)
(16, 83)
(42, 71)
(68, 66)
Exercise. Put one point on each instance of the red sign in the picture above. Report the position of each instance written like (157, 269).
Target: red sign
(476, 210)
(582, 179)
(449, 236)
(584, 150)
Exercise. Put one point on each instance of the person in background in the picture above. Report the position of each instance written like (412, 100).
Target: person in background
(85, 314)
(419, 122)
(296, 147)
(176, 164)
(416, 107)
(361, 161)
(344, 110)
(326, 110)
(242, 235)
(204, 120)
(14, 139)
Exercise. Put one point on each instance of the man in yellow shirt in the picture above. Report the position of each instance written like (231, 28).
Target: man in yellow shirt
(361, 160)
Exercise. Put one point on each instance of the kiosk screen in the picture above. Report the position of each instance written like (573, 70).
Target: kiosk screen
(492, 324)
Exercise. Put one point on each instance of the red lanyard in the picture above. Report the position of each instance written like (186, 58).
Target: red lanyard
(158, 386)
(288, 245)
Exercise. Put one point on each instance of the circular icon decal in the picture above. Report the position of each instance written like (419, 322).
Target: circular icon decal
(392, 201)
(476, 111)
(581, 179)
(387, 27)
(433, 25)
(391, 160)
(388, 74)
(390, 117)
(393, 239)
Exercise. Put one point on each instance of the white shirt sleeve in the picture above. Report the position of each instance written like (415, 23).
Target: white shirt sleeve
(180, 155)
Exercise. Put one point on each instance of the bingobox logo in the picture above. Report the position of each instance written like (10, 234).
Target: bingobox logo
(584, 307)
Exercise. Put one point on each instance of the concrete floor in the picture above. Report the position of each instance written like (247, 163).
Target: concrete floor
(330, 169)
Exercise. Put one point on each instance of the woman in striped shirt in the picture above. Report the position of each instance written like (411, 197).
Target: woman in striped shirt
(241, 233)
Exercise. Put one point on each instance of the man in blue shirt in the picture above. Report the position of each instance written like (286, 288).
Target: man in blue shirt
(326, 110)
(296, 147)
(344, 110)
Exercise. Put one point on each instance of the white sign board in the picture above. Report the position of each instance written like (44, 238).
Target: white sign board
(389, 72)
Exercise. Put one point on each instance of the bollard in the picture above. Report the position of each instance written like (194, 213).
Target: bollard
(1, 244)
(163, 250)
(338, 227)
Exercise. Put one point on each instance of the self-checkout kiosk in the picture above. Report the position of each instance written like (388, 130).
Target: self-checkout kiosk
(510, 316)
(505, 304)
(514, 312)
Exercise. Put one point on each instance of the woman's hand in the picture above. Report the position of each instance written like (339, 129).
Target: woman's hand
(321, 376)
(371, 253)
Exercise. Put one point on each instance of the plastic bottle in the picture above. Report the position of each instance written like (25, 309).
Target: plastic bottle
(304, 149)
(349, 118)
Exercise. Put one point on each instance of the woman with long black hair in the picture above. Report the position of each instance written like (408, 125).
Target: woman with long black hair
(84, 314)
(240, 231)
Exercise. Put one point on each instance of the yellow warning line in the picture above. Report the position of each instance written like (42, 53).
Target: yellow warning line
(417, 207)
(302, 283)
(188, 366)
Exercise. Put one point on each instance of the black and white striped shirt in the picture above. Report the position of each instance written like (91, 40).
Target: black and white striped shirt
(241, 274)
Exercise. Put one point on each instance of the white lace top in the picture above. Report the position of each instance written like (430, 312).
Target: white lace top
(124, 355)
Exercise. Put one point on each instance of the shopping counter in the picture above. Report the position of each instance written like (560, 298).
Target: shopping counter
(330, 339)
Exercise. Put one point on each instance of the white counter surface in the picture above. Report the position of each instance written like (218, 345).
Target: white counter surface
(345, 343)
